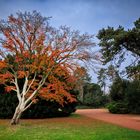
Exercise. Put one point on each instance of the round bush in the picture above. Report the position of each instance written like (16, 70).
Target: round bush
(42, 109)
(47, 109)
(118, 108)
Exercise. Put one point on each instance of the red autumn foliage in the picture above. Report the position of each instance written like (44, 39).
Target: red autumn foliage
(44, 57)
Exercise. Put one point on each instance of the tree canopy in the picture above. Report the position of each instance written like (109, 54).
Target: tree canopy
(116, 41)
(40, 54)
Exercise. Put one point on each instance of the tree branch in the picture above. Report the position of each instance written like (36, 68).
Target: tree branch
(17, 87)
(31, 83)
(28, 105)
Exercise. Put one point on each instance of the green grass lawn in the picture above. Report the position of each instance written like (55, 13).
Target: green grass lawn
(72, 128)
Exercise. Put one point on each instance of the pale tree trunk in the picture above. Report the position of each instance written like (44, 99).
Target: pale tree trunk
(22, 106)
(24, 103)
(17, 115)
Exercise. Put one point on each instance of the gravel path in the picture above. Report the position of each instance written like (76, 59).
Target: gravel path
(124, 120)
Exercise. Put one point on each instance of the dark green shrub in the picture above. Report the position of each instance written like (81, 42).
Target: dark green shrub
(8, 103)
(47, 109)
(93, 96)
(126, 92)
(42, 109)
(118, 107)
(133, 97)
(118, 88)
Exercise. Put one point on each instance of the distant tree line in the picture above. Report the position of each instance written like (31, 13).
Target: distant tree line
(117, 45)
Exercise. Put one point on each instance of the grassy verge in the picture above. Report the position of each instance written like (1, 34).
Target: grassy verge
(72, 128)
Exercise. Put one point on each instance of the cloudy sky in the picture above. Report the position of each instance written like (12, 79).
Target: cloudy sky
(84, 15)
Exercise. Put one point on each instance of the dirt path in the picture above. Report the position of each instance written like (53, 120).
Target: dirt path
(128, 121)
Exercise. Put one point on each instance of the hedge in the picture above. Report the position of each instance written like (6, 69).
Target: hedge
(42, 109)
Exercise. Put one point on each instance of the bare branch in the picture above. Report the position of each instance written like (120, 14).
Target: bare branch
(31, 83)
(17, 87)
(28, 105)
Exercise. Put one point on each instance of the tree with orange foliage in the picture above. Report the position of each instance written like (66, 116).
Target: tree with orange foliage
(36, 52)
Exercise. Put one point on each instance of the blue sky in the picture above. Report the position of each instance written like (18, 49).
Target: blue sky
(85, 15)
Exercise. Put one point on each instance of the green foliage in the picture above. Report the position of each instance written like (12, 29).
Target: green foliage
(106, 75)
(8, 103)
(113, 41)
(116, 44)
(118, 89)
(125, 94)
(133, 96)
(48, 109)
(42, 109)
(112, 73)
(118, 107)
(133, 72)
(93, 96)
(102, 78)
